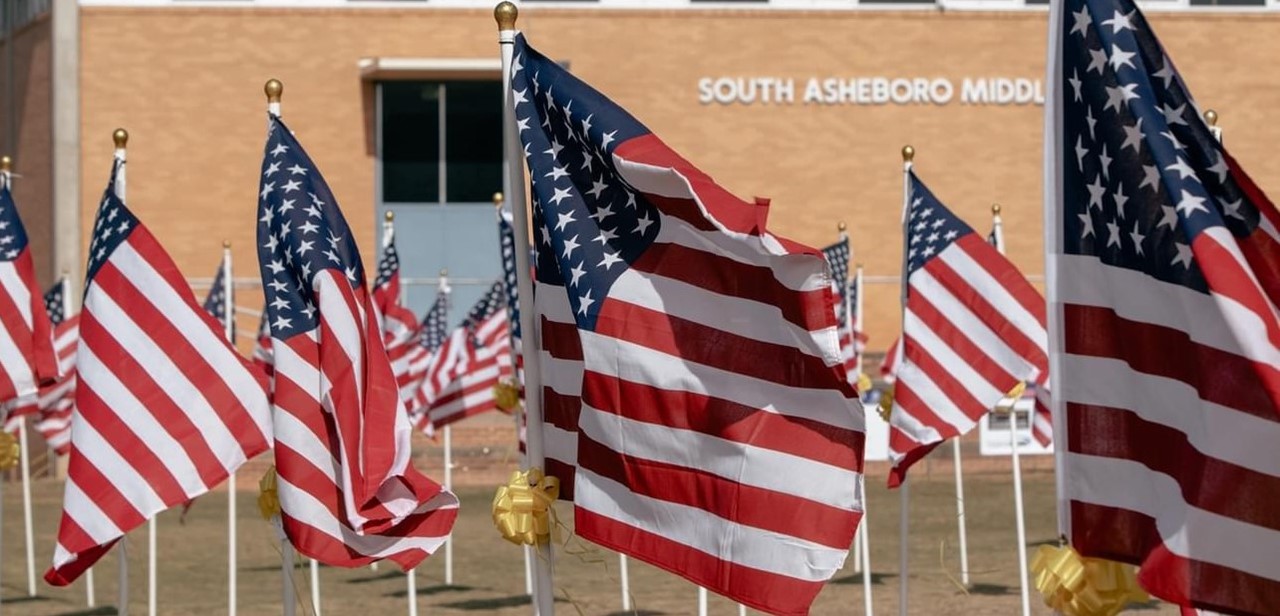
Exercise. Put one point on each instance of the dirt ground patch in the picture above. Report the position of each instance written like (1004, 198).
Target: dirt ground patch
(489, 575)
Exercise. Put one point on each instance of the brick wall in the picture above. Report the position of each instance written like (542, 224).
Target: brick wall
(33, 155)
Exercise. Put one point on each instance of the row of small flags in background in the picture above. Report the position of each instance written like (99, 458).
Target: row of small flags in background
(692, 391)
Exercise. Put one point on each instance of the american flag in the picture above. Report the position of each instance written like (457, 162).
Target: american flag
(716, 434)
(507, 239)
(473, 360)
(892, 359)
(57, 401)
(165, 408)
(417, 388)
(27, 359)
(837, 255)
(349, 494)
(1165, 275)
(973, 328)
(216, 303)
(399, 325)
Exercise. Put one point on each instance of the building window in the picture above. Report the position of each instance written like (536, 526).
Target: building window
(441, 141)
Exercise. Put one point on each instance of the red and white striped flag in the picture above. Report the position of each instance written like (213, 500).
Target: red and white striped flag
(717, 436)
(399, 326)
(892, 360)
(1164, 278)
(349, 494)
(27, 359)
(973, 328)
(57, 401)
(851, 341)
(422, 377)
(165, 408)
(478, 357)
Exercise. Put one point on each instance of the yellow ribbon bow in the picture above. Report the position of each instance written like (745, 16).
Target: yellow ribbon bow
(1078, 586)
(268, 497)
(886, 403)
(522, 509)
(864, 383)
(506, 395)
(9, 451)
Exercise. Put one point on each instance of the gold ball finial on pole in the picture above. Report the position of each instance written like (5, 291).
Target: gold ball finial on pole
(6, 164)
(840, 226)
(389, 216)
(995, 209)
(121, 138)
(273, 89)
(444, 272)
(226, 243)
(506, 14)
(908, 153)
(497, 199)
(1211, 117)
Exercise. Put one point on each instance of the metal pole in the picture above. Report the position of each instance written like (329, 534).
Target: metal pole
(964, 545)
(151, 567)
(863, 536)
(25, 459)
(908, 154)
(286, 566)
(1018, 512)
(121, 138)
(505, 14)
(702, 601)
(315, 586)
(626, 582)
(448, 485)
(411, 581)
(229, 328)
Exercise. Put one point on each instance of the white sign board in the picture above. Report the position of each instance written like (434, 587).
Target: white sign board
(993, 432)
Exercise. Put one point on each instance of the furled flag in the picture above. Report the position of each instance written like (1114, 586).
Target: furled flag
(27, 359)
(262, 357)
(216, 303)
(426, 374)
(475, 358)
(57, 400)
(507, 238)
(399, 325)
(972, 329)
(165, 408)
(349, 494)
(892, 359)
(711, 388)
(837, 255)
(1164, 280)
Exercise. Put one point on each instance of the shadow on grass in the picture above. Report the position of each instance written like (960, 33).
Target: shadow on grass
(1053, 541)
(496, 603)
(105, 610)
(877, 579)
(636, 613)
(990, 590)
(394, 574)
(25, 599)
(432, 590)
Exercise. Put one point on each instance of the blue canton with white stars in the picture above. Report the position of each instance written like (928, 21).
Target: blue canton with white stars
(301, 232)
(435, 324)
(589, 225)
(388, 266)
(13, 236)
(490, 303)
(508, 239)
(215, 303)
(837, 256)
(111, 228)
(931, 227)
(1143, 175)
(54, 304)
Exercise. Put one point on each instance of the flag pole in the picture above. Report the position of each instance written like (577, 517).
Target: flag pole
(864, 532)
(1211, 118)
(67, 304)
(997, 236)
(24, 456)
(410, 576)
(908, 156)
(448, 484)
(274, 89)
(506, 14)
(229, 328)
(6, 176)
(315, 586)
(517, 413)
(121, 139)
(702, 601)
(847, 300)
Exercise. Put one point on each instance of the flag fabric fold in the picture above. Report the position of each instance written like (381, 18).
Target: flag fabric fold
(27, 358)
(1164, 281)
(690, 358)
(973, 329)
(474, 359)
(349, 494)
(165, 408)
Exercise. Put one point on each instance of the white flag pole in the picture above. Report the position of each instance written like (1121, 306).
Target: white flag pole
(864, 531)
(625, 582)
(274, 89)
(997, 239)
(847, 301)
(960, 522)
(121, 138)
(702, 601)
(505, 14)
(68, 294)
(448, 485)
(908, 155)
(315, 586)
(229, 329)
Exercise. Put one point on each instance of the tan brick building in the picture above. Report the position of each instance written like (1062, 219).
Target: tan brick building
(365, 81)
